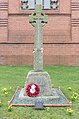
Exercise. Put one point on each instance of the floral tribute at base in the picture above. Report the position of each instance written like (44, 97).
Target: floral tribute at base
(32, 90)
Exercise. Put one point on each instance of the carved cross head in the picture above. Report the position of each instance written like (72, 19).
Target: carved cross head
(38, 15)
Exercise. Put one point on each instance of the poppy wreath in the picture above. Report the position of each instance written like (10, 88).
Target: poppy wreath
(32, 90)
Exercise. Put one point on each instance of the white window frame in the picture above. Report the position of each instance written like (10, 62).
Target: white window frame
(45, 3)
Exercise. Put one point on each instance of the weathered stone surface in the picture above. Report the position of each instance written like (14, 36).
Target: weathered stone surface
(38, 19)
(42, 79)
(38, 76)
(39, 97)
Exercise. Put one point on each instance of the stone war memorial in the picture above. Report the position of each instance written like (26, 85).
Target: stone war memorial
(38, 89)
(60, 35)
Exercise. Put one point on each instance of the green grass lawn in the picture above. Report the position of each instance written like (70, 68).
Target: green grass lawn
(61, 76)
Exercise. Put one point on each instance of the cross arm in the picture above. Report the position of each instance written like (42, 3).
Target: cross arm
(31, 19)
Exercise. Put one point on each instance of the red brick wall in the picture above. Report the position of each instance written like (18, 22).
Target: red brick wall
(60, 35)
(75, 21)
(3, 20)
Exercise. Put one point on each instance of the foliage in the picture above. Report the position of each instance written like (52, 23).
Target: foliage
(0, 103)
(70, 111)
(9, 108)
(12, 77)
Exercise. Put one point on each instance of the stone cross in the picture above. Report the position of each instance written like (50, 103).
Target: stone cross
(38, 20)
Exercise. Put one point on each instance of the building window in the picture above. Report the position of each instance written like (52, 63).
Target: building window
(24, 4)
(54, 4)
(47, 4)
(31, 4)
(39, 2)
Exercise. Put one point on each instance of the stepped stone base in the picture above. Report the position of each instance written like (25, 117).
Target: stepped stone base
(42, 79)
(53, 96)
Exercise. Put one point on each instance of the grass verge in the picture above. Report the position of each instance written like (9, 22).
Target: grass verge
(12, 77)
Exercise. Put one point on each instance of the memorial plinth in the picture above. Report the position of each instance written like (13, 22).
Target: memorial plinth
(38, 76)
(37, 90)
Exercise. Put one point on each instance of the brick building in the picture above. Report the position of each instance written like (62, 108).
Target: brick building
(60, 34)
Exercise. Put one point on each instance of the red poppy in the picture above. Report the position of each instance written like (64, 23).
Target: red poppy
(32, 90)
